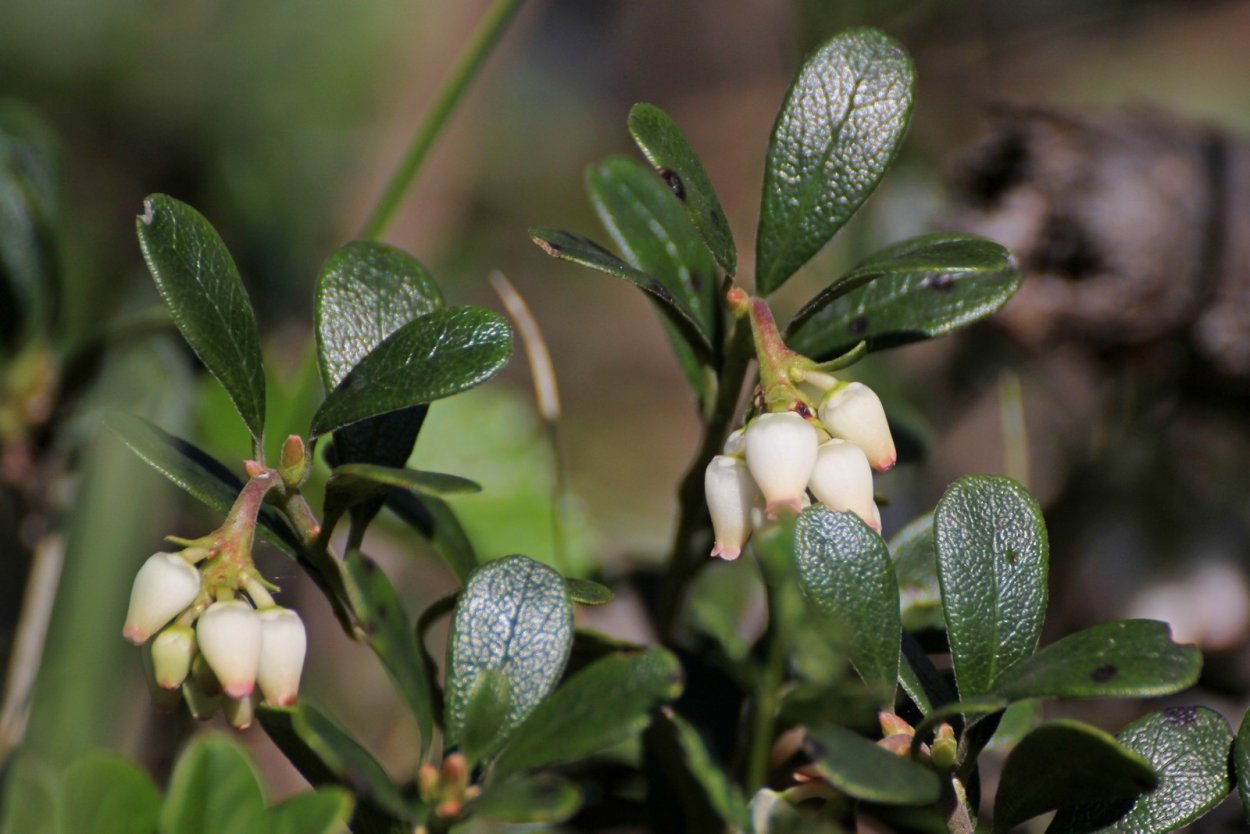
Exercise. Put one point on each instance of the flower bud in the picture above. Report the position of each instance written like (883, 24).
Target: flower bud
(282, 646)
(229, 638)
(842, 480)
(853, 412)
(172, 653)
(203, 705)
(731, 495)
(163, 588)
(780, 454)
(241, 712)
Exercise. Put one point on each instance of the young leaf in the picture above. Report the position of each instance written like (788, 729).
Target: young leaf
(609, 700)
(201, 285)
(1066, 763)
(845, 571)
(992, 565)
(381, 615)
(513, 616)
(1133, 658)
(543, 798)
(105, 794)
(579, 250)
(323, 811)
(197, 472)
(326, 755)
(915, 562)
(585, 592)
(838, 131)
(1188, 749)
(487, 711)
(660, 140)
(718, 788)
(432, 357)
(863, 770)
(214, 788)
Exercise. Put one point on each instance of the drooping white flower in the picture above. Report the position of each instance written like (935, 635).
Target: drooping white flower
(283, 643)
(842, 480)
(780, 455)
(731, 495)
(229, 637)
(163, 588)
(854, 412)
(172, 653)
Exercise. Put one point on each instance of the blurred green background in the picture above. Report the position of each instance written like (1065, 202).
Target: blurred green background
(280, 121)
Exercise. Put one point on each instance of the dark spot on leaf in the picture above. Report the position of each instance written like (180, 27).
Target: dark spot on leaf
(718, 222)
(802, 410)
(1104, 673)
(815, 749)
(858, 325)
(552, 249)
(1180, 716)
(697, 281)
(1012, 556)
(370, 626)
(941, 282)
(368, 565)
(674, 182)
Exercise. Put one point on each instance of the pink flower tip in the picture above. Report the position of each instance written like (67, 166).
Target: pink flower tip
(726, 553)
(239, 689)
(135, 635)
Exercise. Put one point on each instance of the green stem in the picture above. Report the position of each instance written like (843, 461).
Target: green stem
(484, 40)
(766, 691)
(687, 559)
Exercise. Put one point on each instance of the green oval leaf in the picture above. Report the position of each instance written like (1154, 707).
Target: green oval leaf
(861, 769)
(326, 755)
(323, 811)
(609, 700)
(514, 616)
(369, 478)
(838, 131)
(1094, 768)
(1188, 748)
(201, 285)
(432, 357)
(845, 571)
(992, 566)
(1133, 658)
(662, 142)
(585, 592)
(915, 563)
(214, 788)
(569, 247)
(388, 633)
(105, 794)
(543, 798)
(487, 711)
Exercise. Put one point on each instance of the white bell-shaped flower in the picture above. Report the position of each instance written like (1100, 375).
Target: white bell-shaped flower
(854, 412)
(780, 454)
(163, 588)
(842, 480)
(731, 495)
(283, 643)
(229, 637)
(172, 653)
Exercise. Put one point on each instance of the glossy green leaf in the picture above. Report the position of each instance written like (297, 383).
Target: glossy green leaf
(323, 811)
(1188, 748)
(514, 616)
(428, 358)
(915, 298)
(662, 142)
(718, 788)
(199, 282)
(579, 250)
(214, 788)
(381, 616)
(992, 565)
(585, 592)
(1133, 658)
(542, 798)
(326, 755)
(195, 471)
(1241, 763)
(846, 572)
(864, 770)
(1093, 767)
(357, 481)
(486, 713)
(915, 563)
(653, 232)
(438, 523)
(608, 701)
(106, 794)
(838, 131)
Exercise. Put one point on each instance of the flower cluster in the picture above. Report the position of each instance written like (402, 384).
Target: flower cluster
(217, 636)
(796, 451)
